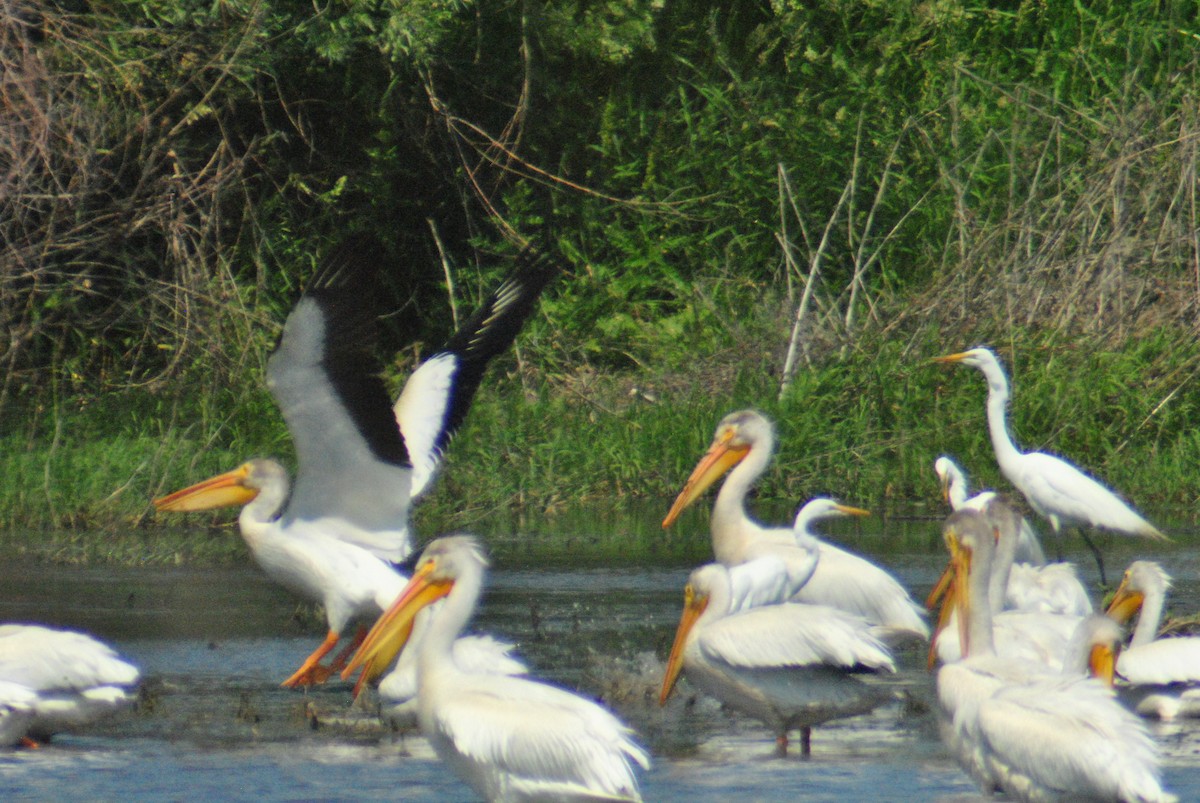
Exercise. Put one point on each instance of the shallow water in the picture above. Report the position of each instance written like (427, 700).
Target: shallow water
(213, 645)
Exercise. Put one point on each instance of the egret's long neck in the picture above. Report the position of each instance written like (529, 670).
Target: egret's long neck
(731, 526)
(451, 619)
(997, 403)
(1150, 617)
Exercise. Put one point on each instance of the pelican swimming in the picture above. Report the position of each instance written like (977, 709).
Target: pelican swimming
(1164, 673)
(508, 737)
(1019, 728)
(75, 679)
(1053, 487)
(335, 538)
(790, 665)
(742, 446)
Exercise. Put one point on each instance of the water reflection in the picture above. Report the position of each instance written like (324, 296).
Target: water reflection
(214, 644)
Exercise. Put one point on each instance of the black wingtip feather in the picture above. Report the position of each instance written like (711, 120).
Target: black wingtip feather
(347, 287)
(492, 329)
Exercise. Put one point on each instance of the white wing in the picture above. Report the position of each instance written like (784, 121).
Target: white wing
(1162, 661)
(850, 583)
(1054, 588)
(534, 739)
(794, 635)
(420, 411)
(1054, 486)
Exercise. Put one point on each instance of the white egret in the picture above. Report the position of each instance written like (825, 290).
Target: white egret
(742, 446)
(790, 665)
(1053, 487)
(335, 538)
(956, 492)
(1014, 726)
(508, 737)
(1164, 673)
(76, 679)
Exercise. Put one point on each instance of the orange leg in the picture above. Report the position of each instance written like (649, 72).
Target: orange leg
(343, 657)
(311, 671)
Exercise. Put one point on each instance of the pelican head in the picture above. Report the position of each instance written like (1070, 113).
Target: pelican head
(736, 435)
(442, 563)
(697, 595)
(233, 488)
(1143, 577)
(970, 538)
(1094, 647)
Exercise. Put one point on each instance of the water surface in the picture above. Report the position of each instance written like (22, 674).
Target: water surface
(213, 645)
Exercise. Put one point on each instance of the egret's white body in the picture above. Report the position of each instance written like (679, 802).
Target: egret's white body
(742, 446)
(1053, 487)
(508, 737)
(75, 679)
(1029, 732)
(1164, 673)
(789, 665)
(336, 536)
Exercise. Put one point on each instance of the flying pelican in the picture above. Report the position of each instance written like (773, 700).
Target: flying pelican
(508, 737)
(336, 537)
(789, 665)
(955, 491)
(75, 679)
(742, 446)
(1052, 486)
(1019, 728)
(1165, 672)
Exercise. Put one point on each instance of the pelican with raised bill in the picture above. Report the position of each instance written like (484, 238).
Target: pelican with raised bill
(508, 737)
(1162, 675)
(74, 681)
(742, 447)
(1053, 487)
(791, 665)
(336, 537)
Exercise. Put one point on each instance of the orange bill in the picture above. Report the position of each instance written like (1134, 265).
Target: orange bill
(392, 630)
(693, 607)
(223, 490)
(721, 457)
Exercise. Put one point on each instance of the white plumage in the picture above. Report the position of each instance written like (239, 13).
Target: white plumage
(1163, 674)
(334, 539)
(742, 446)
(75, 680)
(1053, 487)
(789, 665)
(1017, 727)
(508, 737)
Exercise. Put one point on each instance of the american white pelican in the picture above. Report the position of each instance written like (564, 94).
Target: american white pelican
(790, 665)
(509, 738)
(955, 490)
(1034, 734)
(742, 446)
(1052, 486)
(1029, 635)
(335, 537)
(17, 705)
(1165, 672)
(474, 653)
(76, 679)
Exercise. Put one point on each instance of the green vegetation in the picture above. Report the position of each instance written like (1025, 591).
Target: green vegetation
(819, 196)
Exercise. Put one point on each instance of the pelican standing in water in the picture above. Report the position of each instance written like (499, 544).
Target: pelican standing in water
(1163, 673)
(336, 537)
(742, 446)
(510, 738)
(1016, 726)
(789, 665)
(1053, 487)
(75, 680)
